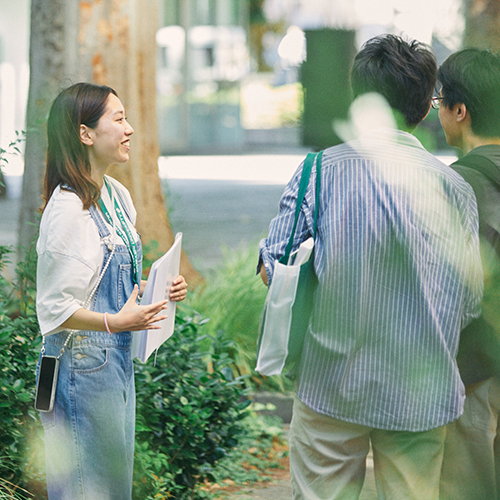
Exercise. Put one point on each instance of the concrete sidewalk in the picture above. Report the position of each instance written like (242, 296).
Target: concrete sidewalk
(282, 490)
(9, 217)
(276, 491)
(218, 200)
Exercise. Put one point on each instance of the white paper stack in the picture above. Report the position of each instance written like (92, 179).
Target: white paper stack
(302, 254)
(162, 273)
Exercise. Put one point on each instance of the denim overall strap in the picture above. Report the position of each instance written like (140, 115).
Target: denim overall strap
(94, 213)
(121, 227)
(103, 229)
(124, 205)
(117, 283)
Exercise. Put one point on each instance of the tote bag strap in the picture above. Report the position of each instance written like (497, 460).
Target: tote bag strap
(304, 182)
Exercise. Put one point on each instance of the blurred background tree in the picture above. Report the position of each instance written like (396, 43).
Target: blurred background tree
(482, 21)
(259, 26)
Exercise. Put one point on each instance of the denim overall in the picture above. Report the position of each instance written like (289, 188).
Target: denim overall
(89, 435)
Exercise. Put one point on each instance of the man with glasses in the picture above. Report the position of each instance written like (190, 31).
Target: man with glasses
(397, 260)
(469, 111)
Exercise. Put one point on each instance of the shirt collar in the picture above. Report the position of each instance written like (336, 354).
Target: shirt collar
(391, 135)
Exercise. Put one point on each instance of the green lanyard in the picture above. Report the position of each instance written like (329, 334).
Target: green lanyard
(126, 234)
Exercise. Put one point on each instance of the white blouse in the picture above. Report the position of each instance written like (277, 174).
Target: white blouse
(70, 254)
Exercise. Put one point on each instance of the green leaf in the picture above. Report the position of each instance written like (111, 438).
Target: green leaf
(18, 385)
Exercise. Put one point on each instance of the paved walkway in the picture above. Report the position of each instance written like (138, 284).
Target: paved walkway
(282, 490)
(213, 200)
(9, 210)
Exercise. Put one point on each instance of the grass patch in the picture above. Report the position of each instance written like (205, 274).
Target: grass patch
(261, 457)
(233, 298)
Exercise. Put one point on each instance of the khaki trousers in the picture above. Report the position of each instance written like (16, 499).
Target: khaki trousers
(471, 464)
(328, 459)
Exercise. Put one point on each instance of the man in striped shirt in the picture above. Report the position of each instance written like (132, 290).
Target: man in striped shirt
(397, 259)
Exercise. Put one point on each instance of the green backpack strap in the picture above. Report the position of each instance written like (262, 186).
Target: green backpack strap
(481, 164)
(304, 182)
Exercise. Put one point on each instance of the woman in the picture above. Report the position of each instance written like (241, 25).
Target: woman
(88, 281)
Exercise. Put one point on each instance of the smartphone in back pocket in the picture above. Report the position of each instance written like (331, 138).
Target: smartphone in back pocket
(47, 383)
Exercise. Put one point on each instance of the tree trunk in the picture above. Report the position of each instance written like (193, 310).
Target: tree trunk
(46, 74)
(482, 21)
(112, 42)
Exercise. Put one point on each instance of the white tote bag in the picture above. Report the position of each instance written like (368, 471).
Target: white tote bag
(277, 316)
(285, 317)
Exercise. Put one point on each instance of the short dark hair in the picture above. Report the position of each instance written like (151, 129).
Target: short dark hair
(404, 73)
(472, 77)
(67, 157)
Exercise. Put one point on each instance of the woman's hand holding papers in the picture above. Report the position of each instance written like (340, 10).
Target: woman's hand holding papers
(178, 290)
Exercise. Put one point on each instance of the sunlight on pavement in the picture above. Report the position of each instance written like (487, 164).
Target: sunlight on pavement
(256, 169)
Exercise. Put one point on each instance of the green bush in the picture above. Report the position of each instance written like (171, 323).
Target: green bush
(233, 298)
(189, 406)
(20, 431)
(189, 411)
(12, 149)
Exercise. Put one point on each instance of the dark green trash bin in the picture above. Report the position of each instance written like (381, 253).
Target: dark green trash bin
(325, 79)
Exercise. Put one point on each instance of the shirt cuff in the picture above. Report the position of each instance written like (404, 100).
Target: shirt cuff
(265, 260)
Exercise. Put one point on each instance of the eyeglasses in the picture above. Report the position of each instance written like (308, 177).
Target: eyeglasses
(435, 102)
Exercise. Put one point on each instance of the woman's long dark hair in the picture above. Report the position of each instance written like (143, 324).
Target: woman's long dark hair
(67, 157)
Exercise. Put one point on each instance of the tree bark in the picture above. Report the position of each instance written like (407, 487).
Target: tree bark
(46, 74)
(482, 19)
(112, 42)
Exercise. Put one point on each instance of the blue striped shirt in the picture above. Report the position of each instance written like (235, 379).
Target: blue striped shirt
(399, 270)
